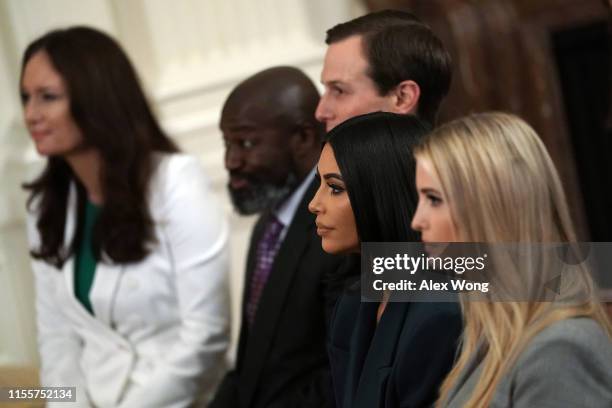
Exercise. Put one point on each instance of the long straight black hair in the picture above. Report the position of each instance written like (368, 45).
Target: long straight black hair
(109, 106)
(374, 155)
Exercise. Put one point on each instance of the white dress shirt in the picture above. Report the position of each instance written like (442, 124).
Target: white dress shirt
(287, 209)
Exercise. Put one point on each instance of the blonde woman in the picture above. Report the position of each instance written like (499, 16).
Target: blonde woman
(488, 178)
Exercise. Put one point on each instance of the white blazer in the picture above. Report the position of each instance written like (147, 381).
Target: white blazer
(161, 326)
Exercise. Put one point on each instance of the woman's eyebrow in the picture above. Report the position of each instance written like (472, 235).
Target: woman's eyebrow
(327, 176)
(427, 190)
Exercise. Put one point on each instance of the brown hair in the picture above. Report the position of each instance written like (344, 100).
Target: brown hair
(111, 110)
(399, 47)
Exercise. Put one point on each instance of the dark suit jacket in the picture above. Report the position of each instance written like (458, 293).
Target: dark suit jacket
(399, 363)
(282, 360)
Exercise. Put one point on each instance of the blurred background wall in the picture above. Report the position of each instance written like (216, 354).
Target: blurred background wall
(548, 61)
(190, 54)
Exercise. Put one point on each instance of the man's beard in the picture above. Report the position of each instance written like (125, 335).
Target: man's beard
(261, 195)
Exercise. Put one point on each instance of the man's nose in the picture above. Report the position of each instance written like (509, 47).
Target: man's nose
(233, 158)
(323, 113)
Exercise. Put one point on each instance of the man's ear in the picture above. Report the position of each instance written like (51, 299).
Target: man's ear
(406, 97)
(304, 138)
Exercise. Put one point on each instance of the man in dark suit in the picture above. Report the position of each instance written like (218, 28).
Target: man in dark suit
(272, 146)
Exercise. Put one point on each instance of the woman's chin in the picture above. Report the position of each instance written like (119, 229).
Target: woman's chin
(331, 247)
(335, 248)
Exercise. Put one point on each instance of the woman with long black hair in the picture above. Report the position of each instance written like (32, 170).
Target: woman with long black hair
(383, 354)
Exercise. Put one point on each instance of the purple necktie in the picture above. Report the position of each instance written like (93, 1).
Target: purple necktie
(266, 252)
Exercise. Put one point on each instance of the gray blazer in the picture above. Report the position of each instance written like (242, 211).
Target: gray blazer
(568, 364)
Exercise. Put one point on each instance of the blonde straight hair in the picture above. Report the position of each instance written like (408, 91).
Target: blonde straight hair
(502, 186)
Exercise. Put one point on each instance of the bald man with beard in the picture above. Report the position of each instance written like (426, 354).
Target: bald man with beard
(272, 143)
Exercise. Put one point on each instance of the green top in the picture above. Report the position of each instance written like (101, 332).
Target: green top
(85, 264)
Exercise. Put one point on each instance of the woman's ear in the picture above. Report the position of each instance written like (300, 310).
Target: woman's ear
(406, 97)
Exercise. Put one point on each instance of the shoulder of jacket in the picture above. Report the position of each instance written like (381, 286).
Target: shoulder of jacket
(578, 330)
(570, 342)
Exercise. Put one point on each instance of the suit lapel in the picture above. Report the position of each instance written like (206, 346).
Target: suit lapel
(362, 338)
(68, 267)
(105, 279)
(381, 351)
(470, 369)
(276, 291)
(103, 290)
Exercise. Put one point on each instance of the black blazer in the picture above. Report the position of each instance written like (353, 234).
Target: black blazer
(399, 363)
(282, 360)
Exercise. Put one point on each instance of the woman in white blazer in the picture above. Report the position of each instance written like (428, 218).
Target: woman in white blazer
(129, 249)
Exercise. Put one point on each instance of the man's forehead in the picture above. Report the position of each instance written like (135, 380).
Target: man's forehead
(263, 126)
(246, 114)
(344, 60)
